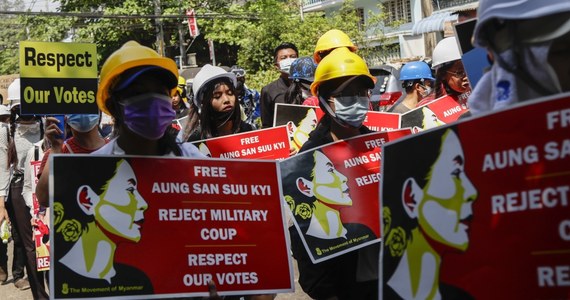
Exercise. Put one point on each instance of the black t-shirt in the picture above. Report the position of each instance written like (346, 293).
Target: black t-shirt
(271, 94)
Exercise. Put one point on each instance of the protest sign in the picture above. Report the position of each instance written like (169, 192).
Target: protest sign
(474, 59)
(480, 209)
(58, 78)
(136, 226)
(270, 143)
(332, 192)
(40, 219)
(436, 113)
(301, 120)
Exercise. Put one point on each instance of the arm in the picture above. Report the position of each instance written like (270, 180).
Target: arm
(266, 108)
(4, 173)
(51, 134)
(28, 177)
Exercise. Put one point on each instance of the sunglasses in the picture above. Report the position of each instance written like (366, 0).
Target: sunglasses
(458, 74)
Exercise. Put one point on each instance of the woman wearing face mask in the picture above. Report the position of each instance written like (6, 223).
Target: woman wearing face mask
(301, 75)
(342, 81)
(85, 139)
(135, 88)
(417, 80)
(24, 131)
(218, 107)
(450, 77)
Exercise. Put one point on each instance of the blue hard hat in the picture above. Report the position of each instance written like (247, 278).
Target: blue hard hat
(303, 68)
(415, 70)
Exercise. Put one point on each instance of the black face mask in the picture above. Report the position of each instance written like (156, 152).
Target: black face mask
(239, 85)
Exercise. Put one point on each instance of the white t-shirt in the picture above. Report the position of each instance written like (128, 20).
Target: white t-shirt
(188, 150)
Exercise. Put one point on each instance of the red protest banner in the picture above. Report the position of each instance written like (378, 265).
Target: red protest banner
(270, 143)
(40, 219)
(441, 111)
(301, 120)
(127, 226)
(480, 209)
(192, 24)
(353, 166)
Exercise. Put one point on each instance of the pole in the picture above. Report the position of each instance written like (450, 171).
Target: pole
(159, 31)
(181, 38)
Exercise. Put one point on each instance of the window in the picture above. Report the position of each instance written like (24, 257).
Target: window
(398, 11)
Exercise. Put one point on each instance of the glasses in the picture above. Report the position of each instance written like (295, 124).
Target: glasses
(238, 72)
(458, 74)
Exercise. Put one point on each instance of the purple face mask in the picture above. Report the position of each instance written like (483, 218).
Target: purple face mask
(148, 115)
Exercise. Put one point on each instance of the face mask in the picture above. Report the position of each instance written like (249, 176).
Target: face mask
(239, 85)
(32, 128)
(427, 90)
(83, 122)
(148, 115)
(351, 110)
(285, 64)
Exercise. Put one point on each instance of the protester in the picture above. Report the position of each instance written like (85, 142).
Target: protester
(179, 99)
(450, 77)
(530, 44)
(274, 92)
(86, 139)
(342, 81)
(219, 111)
(329, 41)
(301, 75)
(5, 209)
(25, 130)
(135, 88)
(248, 98)
(417, 80)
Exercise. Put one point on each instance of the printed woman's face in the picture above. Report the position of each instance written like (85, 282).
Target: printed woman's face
(223, 99)
(120, 210)
(329, 185)
(446, 208)
(430, 120)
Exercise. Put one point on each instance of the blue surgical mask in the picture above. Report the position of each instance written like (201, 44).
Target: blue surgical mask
(82, 122)
(148, 115)
(285, 64)
(351, 110)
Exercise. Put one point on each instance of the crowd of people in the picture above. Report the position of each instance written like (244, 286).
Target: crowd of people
(143, 93)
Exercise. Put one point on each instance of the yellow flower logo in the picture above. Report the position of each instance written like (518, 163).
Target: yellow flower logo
(386, 219)
(290, 202)
(319, 252)
(70, 229)
(57, 212)
(304, 211)
(396, 241)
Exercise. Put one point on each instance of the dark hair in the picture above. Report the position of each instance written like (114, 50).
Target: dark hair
(418, 165)
(284, 46)
(12, 157)
(79, 172)
(294, 94)
(208, 122)
(441, 84)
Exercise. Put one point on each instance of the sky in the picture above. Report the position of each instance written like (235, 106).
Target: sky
(41, 5)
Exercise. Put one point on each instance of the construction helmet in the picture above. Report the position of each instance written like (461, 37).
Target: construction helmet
(512, 10)
(14, 92)
(303, 68)
(332, 39)
(445, 51)
(207, 74)
(132, 55)
(415, 70)
(340, 62)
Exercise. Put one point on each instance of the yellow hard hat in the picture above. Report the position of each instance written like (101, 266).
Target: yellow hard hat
(131, 55)
(332, 39)
(340, 62)
(181, 81)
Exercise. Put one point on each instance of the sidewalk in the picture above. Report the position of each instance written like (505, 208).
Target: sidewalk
(9, 292)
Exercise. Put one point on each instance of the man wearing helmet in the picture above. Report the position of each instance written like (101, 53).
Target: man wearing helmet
(329, 41)
(530, 44)
(417, 80)
(342, 81)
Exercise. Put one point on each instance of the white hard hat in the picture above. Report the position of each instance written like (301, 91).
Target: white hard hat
(207, 74)
(14, 92)
(523, 10)
(4, 110)
(445, 51)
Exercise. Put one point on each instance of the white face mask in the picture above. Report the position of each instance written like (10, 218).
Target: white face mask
(351, 110)
(285, 64)
(28, 128)
(427, 91)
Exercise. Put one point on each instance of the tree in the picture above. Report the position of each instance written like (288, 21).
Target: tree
(11, 32)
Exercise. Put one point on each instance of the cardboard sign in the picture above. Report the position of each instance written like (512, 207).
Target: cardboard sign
(270, 143)
(480, 209)
(301, 120)
(436, 113)
(341, 180)
(142, 226)
(40, 231)
(474, 59)
(58, 78)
